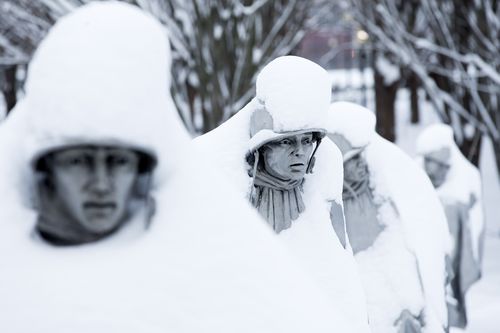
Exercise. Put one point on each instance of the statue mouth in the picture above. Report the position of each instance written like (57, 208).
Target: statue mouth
(99, 208)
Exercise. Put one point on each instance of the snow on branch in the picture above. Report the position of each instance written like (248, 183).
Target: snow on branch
(449, 40)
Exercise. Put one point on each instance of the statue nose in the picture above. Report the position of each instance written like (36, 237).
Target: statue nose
(299, 149)
(101, 181)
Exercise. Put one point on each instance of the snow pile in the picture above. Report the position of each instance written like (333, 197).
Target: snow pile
(207, 263)
(463, 181)
(355, 124)
(104, 47)
(296, 91)
(395, 176)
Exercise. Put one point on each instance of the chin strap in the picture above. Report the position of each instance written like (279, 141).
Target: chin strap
(312, 160)
(149, 203)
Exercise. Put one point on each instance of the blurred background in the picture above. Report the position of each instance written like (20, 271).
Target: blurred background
(413, 62)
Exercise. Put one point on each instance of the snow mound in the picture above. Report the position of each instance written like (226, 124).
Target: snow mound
(82, 73)
(295, 91)
(354, 122)
(435, 137)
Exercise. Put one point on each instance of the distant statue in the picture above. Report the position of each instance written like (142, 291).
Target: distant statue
(390, 209)
(458, 184)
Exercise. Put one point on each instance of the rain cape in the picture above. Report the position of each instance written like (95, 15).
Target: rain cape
(404, 269)
(460, 195)
(296, 94)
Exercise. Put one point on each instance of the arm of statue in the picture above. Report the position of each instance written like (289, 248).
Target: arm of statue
(470, 268)
(338, 222)
(408, 323)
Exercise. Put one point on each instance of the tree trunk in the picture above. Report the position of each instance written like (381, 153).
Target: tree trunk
(385, 97)
(496, 148)
(471, 148)
(413, 85)
(9, 87)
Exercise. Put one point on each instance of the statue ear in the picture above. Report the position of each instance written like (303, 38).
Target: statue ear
(253, 161)
(142, 185)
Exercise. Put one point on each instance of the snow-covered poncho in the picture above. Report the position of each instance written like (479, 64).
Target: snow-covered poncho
(404, 268)
(202, 265)
(461, 197)
(296, 94)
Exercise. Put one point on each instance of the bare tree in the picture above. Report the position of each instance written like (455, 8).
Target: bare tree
(452, 49)
(218, 46)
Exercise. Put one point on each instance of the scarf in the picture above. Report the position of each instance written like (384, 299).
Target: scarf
(278, 201)
(361, 214)
(353, 190)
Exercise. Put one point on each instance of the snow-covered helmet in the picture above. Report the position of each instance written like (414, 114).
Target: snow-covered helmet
(293, 96)
(350, 139)
(97, 80)
(437, 143)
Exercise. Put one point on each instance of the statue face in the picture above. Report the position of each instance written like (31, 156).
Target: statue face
(94, 185)
(355, 168)
(436, 170)
(288, 158)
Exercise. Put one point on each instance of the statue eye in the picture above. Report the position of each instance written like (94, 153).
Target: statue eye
(75, 161)
(307, 141)
(118, 160)
(286, 142)
(121, 160)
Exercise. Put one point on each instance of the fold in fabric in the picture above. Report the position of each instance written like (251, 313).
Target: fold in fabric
(278, 201)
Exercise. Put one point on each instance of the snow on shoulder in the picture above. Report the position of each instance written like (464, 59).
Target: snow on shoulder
(295, 91)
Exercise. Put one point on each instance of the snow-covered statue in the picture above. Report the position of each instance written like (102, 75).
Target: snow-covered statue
(78, 154)
(395, 226)
(272, 150)
(458, 184)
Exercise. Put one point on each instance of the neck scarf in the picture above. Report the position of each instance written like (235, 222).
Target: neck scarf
(278, 201)
(353, 190)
